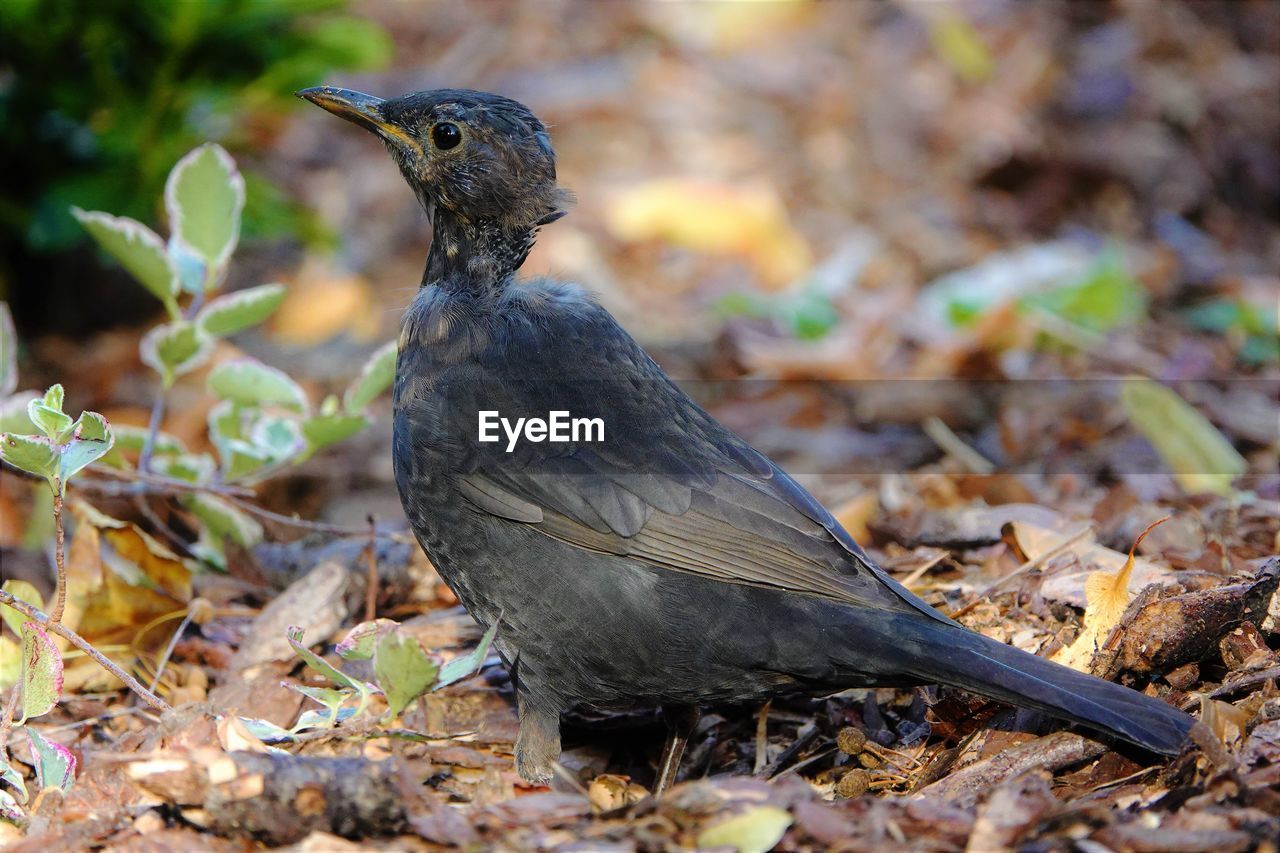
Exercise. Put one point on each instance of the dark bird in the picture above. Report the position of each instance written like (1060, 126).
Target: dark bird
(668, 564)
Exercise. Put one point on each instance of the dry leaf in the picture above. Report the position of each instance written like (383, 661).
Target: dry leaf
(1069, 586)
(1106, 596)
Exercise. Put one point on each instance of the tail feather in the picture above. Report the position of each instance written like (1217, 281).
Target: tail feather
(970, 661)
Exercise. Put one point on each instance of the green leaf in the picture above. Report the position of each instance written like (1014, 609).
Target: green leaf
(266, 731)
(326, 696)
(360, 640)
(756, 830)
(55, 764)
(8, 352)
(173, 349)
(55, 396)
(461, 667)
(250, 382)
(1107, 298)
(41, 672)
(138, 249)
(320, 665)
(323, 430)
(129, 437)
(1201, 459)
(403, 668)
(23, 591)
(34, 454)
(375, 377)
(222, 519)
(91, 441)
(13, 778)
(233, 312)
(204, 196)
(13, 413)
(49, 420)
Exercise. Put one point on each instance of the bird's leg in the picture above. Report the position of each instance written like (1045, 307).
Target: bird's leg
(538, 744)
(681, 720)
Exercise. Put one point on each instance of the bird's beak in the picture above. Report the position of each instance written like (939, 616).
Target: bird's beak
(359, 108)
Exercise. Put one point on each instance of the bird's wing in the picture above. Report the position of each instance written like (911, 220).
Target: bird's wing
(668, 485)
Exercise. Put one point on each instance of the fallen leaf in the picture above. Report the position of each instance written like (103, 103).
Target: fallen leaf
(1106, 596)
(1200, 457)
(756, 830)
(1036, 541)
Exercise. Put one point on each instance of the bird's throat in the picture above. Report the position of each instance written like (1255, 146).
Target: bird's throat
(478, 256)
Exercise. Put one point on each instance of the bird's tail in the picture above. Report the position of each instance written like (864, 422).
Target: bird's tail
(951, 655)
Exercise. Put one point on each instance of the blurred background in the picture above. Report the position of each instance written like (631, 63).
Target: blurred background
(908, 248)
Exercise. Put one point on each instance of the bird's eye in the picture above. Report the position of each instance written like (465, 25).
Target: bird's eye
(446, 135)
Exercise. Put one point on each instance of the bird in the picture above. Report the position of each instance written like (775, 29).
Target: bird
(662, 562)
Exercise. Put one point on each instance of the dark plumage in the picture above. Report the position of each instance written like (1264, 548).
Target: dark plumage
(670, 564)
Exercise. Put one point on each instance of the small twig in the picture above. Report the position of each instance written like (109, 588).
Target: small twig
(371, 590)
(762, 739)
(919, 571)
(31, 612)
(59, 555)
(1024, 568)
(142, 483)
(168, 651)
(954, 447)
(317, 526)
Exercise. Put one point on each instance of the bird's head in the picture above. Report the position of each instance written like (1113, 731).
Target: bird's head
(482, 157)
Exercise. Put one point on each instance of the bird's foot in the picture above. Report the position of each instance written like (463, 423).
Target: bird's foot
(538, 745)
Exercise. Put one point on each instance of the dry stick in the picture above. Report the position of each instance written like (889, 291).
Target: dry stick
(31, 612)
(1025, 567)
(168, 650)
(317, 526)
(141, 483)
(762, 739)
(954, 447)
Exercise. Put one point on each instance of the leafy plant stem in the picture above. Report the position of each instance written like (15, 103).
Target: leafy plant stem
(43, 619)
(59, 554)
(153, 430)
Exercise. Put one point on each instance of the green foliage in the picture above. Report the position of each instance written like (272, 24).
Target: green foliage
(808, 313)
(1108, 297)
(106, 95)
(264, 420)
(1256, 327)
(55, 764)
(65, 447)
(403, 670)
(41, 672)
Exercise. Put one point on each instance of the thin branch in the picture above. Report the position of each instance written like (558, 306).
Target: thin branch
(1025, 567)
(142, 483)
(168, 649)
(317, 526)
(42, 619)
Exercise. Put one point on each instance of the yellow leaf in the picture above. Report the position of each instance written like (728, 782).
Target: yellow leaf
(1200, 457)
(720, 219)
(1107, 597)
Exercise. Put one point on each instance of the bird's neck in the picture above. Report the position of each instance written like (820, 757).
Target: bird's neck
(478, 256)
